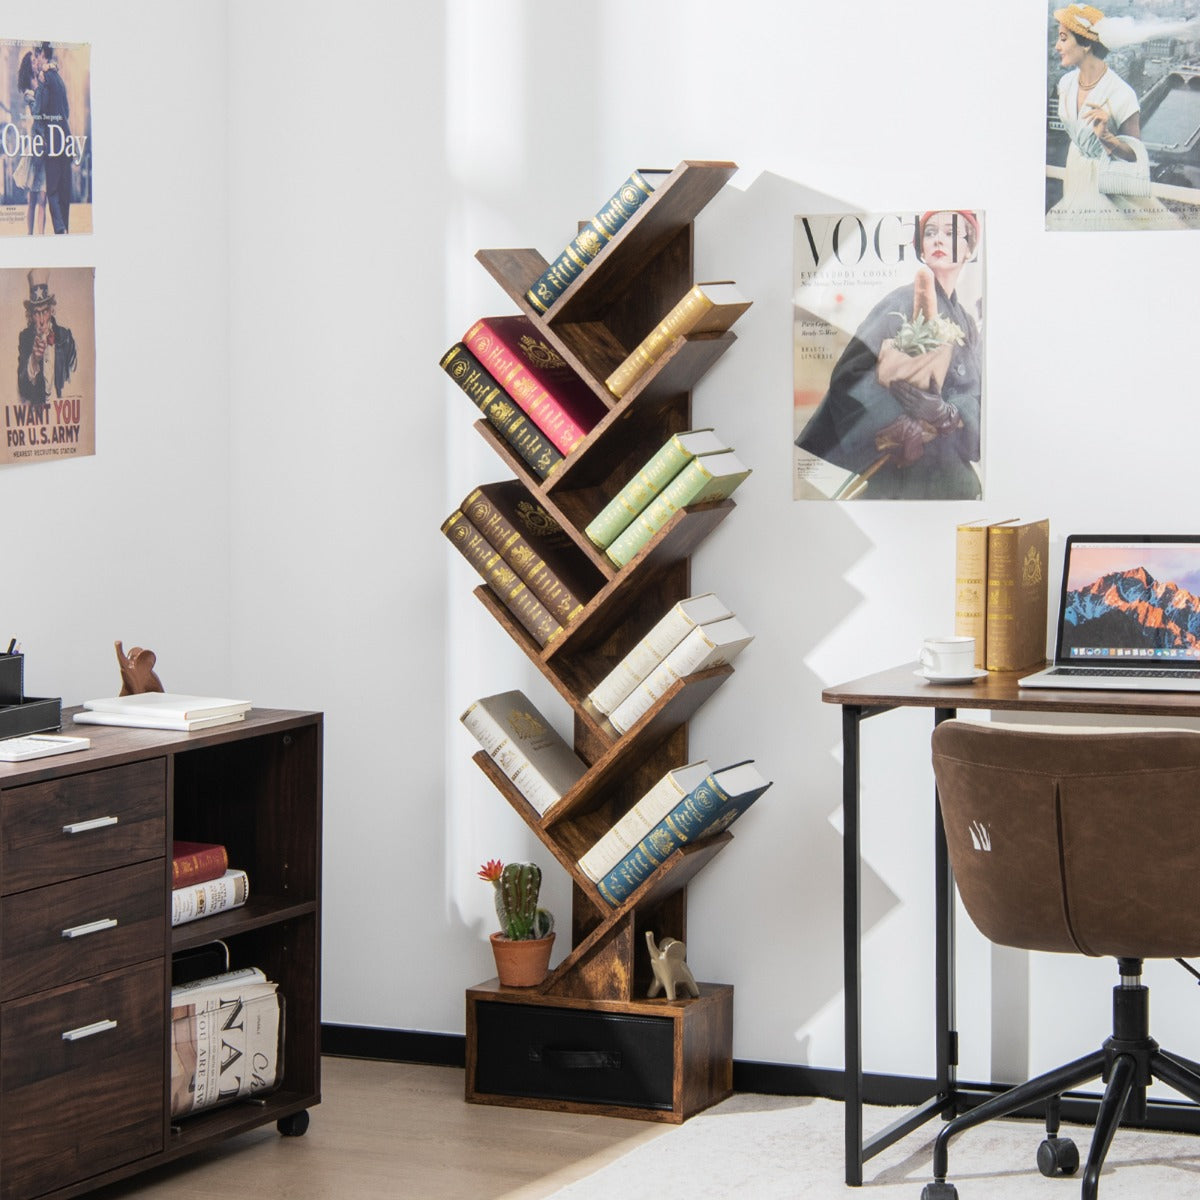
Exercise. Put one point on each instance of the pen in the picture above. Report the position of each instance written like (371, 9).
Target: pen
(11, 646)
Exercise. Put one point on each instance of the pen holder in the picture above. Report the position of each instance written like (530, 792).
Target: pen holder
(12, 678)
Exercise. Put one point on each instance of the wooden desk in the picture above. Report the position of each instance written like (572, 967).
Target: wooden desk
(900, 688)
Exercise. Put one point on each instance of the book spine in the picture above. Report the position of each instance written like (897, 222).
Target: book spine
(651, 348)
(631, 828)
(204, 899)
(504, 582)
(199, 866)
(503, 362)
(514, 764)
(647, 483)
(1016, 595)
(510, 422)
(970, 587)
(556, 596)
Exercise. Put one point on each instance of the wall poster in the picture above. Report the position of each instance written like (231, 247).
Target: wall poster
(1123, 116)
(45, 138)
(888, 356)
(48, 328)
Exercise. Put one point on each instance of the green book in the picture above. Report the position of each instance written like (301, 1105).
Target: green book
(711, 477)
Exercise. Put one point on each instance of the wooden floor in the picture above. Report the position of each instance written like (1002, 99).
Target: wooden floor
(390, 1131)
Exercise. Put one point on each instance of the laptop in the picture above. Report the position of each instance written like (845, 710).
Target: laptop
(1129, 615)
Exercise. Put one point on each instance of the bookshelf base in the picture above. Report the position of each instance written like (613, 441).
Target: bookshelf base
(652, 1060)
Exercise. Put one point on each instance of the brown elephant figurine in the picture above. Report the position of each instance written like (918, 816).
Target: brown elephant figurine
(137, 671)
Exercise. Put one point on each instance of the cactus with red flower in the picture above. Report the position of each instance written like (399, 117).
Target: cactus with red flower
(516, 894)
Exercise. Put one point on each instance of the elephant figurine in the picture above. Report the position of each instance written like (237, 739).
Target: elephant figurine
(137, 671)
(670, 968)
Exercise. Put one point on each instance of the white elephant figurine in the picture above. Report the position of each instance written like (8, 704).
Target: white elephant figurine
(670, 968)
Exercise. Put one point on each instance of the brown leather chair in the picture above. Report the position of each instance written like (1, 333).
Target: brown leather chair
(1078, 841)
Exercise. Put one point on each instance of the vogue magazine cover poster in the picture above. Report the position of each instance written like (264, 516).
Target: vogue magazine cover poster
(47, 323)
(45, 138)
(888, 339)
(1123, 116)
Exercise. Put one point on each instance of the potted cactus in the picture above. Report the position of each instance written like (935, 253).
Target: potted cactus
(522, 946)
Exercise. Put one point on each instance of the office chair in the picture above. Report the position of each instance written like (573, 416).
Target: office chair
(1080, 841)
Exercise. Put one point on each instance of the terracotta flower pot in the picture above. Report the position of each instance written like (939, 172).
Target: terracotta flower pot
(521, 963)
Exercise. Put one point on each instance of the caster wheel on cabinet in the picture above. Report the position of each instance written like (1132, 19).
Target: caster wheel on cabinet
(939, 1191)
(293, 1126)
(1058, 1156)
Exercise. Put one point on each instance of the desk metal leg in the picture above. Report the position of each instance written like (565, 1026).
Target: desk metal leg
(946, 1017)
(852, 941)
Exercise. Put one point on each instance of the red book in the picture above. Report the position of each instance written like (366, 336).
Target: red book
(558, 402)
(197, 862)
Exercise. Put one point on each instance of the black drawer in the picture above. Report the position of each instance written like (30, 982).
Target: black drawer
(572, 1054)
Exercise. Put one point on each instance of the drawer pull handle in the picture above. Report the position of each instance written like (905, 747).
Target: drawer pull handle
(85, 1031)
(91, 927)
(87, 826)
(577, 1060)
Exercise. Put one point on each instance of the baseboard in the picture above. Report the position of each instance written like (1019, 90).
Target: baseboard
(394, 1045)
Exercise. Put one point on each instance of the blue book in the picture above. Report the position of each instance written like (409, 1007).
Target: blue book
(712, 806)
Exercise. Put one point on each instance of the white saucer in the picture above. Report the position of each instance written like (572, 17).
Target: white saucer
(930, 678)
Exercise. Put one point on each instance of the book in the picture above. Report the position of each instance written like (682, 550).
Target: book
(152, 721)
(711, 807)
(970, 584)
(523, 437)
(230, 890)
(505, 584)
(642, 818)
(525, 746)
(169, 706)
(704, 308)
(197, 862)
(1018, 558)
(710, 477)
(593, 237)
(679, 620)
(533, 543)
(533, 373)
(648, 481)
(713, 645)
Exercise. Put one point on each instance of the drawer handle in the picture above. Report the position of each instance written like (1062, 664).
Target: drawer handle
(87, 826)
(577, 1060)
(86, 1031)
(91, 927)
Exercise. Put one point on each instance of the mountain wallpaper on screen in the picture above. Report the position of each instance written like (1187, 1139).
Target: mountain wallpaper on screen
(1131, 609)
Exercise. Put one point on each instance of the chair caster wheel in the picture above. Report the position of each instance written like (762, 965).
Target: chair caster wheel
(294, 1125)
(939, 1191)
(1058, 1156)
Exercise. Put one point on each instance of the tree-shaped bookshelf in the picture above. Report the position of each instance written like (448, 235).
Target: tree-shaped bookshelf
(584, 1040)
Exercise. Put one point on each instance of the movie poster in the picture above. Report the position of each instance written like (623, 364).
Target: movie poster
(888, 340)
(48, 330)
(1123, 116)
(45, 138)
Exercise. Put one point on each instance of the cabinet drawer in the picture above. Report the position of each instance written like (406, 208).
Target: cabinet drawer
(73, 1107)
(36, 953)
(81, 824)
(576, 1055)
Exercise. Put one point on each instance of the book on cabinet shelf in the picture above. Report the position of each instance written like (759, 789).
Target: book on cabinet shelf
(593, 237)
(528, 750)
(708, 809)
(197, 862)
(648, 481)
(714, 645)
(704, 308)
(531, 371)
(679, 620)
(198, 900)
(711, 477)
(502, 413)
(1018, 557)
(504, 583)
(970, 583)
(533, 543)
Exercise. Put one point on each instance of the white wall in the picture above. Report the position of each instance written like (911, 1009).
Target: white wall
(316, 258)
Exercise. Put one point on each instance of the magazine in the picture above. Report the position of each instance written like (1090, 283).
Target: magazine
(888, 351)
(1123, 116)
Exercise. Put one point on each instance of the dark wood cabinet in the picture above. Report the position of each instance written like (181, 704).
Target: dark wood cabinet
(86, 939)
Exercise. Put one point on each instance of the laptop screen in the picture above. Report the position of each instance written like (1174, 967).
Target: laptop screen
(1130, 601)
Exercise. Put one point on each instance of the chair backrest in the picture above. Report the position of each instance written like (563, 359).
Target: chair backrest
(1080, 840)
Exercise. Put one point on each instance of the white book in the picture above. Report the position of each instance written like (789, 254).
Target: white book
(654, 647)
(711, 645)
(525, 746)
(151, 721)
(641, 818)
(174, 706)
(215, 895)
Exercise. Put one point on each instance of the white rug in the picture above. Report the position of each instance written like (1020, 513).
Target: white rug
(763, 1147)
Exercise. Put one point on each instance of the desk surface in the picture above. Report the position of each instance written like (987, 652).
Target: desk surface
(900, 687)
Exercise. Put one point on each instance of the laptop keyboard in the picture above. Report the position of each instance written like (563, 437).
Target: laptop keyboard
(1148, 673)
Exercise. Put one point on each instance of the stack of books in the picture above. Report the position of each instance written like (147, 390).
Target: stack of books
(685, 805)
(692, 467)
(524, 556)
(163, 710)
(695, 634)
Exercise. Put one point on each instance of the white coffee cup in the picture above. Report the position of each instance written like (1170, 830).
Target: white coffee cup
(948, 657)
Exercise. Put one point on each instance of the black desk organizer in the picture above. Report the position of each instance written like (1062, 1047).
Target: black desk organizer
(21, 714)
